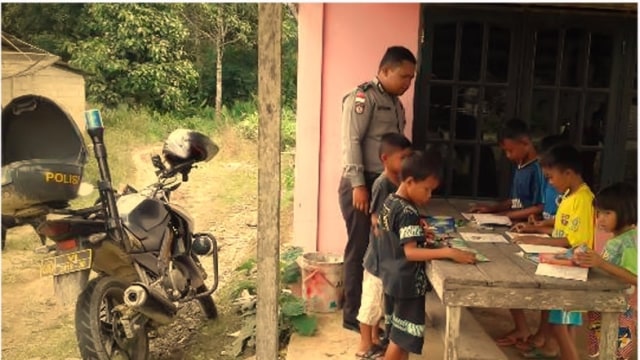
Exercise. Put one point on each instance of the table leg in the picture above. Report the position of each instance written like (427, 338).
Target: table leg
(452, 333)
(608, 335)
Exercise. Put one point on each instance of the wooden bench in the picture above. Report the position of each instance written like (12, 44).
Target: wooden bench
(474, 342)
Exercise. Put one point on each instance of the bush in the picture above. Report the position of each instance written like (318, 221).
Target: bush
(245, 115)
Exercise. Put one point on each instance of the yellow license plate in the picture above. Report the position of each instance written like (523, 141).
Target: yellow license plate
(66, 263)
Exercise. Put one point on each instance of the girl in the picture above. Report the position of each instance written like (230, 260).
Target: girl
(616, 208)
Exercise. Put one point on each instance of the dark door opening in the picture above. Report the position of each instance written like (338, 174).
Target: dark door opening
(561, 72)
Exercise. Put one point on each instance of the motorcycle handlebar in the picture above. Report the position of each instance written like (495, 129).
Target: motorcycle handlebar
(164, 173)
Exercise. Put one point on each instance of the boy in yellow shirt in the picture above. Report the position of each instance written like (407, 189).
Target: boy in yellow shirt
(573, 226)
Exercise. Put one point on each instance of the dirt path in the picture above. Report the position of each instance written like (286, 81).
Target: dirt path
(222, 198)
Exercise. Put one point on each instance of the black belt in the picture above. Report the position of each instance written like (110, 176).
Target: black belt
(371, 175)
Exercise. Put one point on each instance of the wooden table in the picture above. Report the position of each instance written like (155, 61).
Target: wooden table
(508, 281)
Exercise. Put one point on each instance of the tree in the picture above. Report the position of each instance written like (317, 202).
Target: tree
(135, 53)
(48, 26)
(289, 55)
(222, 24)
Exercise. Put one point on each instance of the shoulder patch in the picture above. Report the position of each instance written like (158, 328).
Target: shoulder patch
(359, 101)
(364, 86)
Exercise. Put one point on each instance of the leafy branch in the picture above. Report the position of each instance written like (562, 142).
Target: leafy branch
(292, 312)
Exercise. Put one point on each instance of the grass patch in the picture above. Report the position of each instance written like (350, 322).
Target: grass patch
(127, 129)
(58, 339)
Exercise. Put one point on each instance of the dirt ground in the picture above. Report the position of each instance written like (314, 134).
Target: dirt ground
(221, 196)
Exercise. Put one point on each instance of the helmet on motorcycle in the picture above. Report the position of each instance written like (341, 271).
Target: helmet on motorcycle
(185, 145)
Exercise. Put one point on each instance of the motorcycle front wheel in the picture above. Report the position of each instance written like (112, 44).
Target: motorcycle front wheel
(100, 334)
(207, 304)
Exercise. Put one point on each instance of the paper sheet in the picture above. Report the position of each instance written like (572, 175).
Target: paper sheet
(468, 216)
(461, 245)
(483, 237)
(514, 235)
(542, 249)
(488, 219)
(563, 272)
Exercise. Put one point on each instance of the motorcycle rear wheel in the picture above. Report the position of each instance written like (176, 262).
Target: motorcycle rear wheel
(100, 336)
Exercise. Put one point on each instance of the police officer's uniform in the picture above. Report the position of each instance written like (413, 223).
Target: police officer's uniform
(368, 112)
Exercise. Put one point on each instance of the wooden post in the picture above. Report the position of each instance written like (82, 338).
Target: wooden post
(269, 94)
(608, 335)
(452, 332)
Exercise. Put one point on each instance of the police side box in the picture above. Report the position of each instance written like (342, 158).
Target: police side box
(33, 182)
(43, 155)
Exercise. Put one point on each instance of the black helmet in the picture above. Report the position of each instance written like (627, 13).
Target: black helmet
(184, 145)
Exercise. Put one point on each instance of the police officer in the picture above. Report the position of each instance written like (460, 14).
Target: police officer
(368, 112)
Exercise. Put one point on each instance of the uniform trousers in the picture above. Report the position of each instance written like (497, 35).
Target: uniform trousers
(358, 227)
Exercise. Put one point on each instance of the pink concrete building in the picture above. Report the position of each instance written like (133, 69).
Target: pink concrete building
(474, 72)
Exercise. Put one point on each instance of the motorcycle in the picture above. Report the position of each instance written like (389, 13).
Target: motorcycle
(142, 247)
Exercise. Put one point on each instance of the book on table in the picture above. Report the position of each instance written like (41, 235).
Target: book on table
(488, 219)
(554, 261)
(514, 235)
(563, 272)
(542, 249)
(483, 237)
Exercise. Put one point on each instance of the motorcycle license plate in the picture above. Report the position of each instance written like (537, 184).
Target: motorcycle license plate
(66, 263)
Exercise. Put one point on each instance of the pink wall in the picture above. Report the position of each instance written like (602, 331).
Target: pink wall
(355, 38)
(307, 170)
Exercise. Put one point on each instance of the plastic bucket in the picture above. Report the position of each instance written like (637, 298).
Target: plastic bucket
(322, 282)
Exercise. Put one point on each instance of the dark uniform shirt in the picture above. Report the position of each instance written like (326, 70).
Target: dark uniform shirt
(399, 224)
(382, 188)
(368, 112)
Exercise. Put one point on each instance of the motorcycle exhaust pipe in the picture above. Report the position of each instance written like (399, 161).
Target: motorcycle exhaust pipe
(150, 303)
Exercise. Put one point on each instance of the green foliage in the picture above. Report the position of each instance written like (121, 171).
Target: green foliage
(145, 125)
(289, 59)
(290, 272)
(247, 266)
(249, 123)
(154, 55)
(304, 324)
(291, 254)
(240, 74)
(242, 285)
(291, 306)
(226, 23)
(49, 26)
(292, 310)
(136, 55)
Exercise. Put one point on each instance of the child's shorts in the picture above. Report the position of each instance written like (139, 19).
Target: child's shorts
(560, 317)
(404, 322)
(370, 312)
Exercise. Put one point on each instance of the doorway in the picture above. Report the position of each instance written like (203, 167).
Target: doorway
(562, 72)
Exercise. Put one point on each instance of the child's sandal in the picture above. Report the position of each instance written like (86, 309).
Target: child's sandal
(375, 353)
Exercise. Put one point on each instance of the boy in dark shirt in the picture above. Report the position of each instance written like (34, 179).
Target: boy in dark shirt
(394, 148)
(402, 254)
(527, 186)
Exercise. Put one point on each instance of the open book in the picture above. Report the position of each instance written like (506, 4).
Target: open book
(488, 219)
(542, 249)
(483, 237)
(514, 235)
(563, 272)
